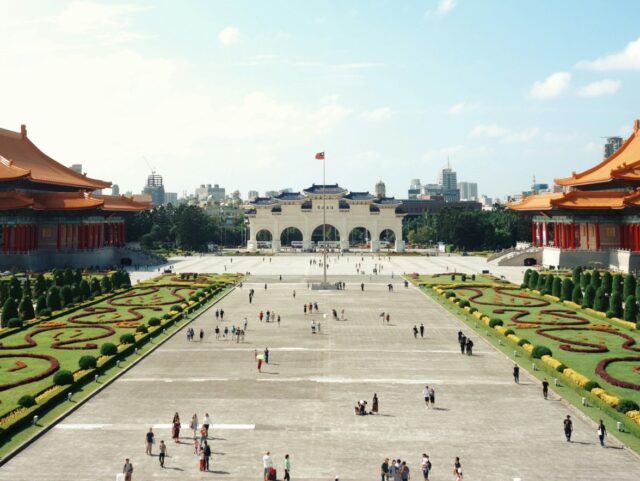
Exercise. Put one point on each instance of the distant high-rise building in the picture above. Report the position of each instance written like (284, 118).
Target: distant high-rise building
(253, 194)
(154, 188)
(380, 190)
(115, 189)
(611, 145)
(448, 181)
(414, 189)
(271, 193)
(206, 193)
(76, 168)
(468, 190)
(171, 198)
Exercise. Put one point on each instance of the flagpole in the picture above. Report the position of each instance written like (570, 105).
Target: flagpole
(324, 217)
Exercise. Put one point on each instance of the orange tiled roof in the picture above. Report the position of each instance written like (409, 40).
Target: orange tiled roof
(11, 199)
(24, 155)
(9, 171)
(122, 203)
(584, 199)
(535, 202)
(612, 166)
(64, 201)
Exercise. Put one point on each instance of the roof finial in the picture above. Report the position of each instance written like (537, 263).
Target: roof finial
(23, 131)
(636, 126)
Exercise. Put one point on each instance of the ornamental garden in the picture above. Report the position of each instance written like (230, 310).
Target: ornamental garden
(80, 328)
(579, 327)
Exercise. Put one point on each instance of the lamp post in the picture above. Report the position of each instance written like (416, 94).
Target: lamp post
(324, 221)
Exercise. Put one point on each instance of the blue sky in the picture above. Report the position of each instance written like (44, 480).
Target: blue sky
(243, 93)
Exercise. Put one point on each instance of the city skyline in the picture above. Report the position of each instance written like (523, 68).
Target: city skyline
(248, 104)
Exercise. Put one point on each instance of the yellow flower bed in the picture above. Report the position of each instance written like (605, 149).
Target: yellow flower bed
(192, 303)
(550, 361)
(478, 314)
(78, 374)
(48, 393)
(528, 347)
(576, 377)
(500, 329)
(9, 418)
(485, 320)
(571, 304)
(635, 415)
(173, 313)
(184, 305)
(551, 298)
(122, 347)
(514, 338)
(623, 323)
(466, 308)
(596, 313)
(612, 401)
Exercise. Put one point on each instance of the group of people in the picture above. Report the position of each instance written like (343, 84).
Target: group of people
(466, 344)
(191, 334)
(360, 408)
(429, 395)
(269, 316)
(398, 470)
(420, 330)
(237, 334)
(312, 306)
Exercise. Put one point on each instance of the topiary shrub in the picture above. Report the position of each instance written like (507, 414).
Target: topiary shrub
(176, 308)
(449, 294)
(464, 303)
(615, 304)
(525, 281)
(508, 332)
(589, 296)
(533, 279)
(556, 288)
(62, 378)
(108, 349)
(15, 322)
(539, 351)
(630, 309)
(495, 322)
(576, 295)
(127, 339)
(472, 310)
(166, 316)
(9, 309)
(601, 301)
(142, 329)
(46, 312)
(567, 289)
(27, 401)
(522, 342)
(560, 367)
(629, 287)
(590, 385)
(626, 405)
(87, 362)
(154, 321)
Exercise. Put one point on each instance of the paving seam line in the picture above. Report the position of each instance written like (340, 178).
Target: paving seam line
(11, 454)
(561, 398)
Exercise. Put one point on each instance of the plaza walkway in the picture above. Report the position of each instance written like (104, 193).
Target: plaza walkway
(302, 403)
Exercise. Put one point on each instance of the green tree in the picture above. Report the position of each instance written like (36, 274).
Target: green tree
(9, 310)
(53, 299)
(615, 305)
(15, 290)
(542, 282)
(556, 289)
(567, 289)
(601, 301)
(606, 282)
(41, 304)
(596, 279)
(547, 287)
(589, 296)
(85, 289)
(585, 280)
(105, 284)
(68, 276)
(629, 288)
(617, 283)
(576, 295)
(40, 286)
(527, 274)
(26, 309)
(533, 279)
(66, 296)
(575, 275)
(630, 309)
(95, 287)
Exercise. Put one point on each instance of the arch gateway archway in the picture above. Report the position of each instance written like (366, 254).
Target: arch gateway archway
(295, 219)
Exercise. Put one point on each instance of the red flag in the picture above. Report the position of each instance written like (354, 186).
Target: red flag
(320, 156)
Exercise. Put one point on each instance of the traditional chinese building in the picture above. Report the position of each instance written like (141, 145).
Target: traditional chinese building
(274, 221)
(50, 215)
(596, 219)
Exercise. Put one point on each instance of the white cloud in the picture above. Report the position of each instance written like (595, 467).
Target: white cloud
(444, 7)
(380, 114)
(229, 35)
(628, 59)
(601, 87)
(459, 107)
(551, 87)
(488, 130)
(504, 134)
(87, 17)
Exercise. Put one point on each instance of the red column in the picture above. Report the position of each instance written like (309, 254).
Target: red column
(123, 234)
(597, 226)
(35, 236)
(635, 236)
(563, 236)
(81, 236)
(110, 233)
(572, 235)
(533, 233)
(546, 233)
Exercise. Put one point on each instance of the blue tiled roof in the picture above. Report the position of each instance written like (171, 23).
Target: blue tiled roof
(289, 196)
(249, 211)
(387, 201)
(327, 189)
(359, 196)
(263, 201)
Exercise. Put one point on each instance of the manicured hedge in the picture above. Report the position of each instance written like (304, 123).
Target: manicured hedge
(539, 351)
(63, 377)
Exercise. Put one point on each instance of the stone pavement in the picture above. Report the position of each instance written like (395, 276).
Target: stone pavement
(302, 403)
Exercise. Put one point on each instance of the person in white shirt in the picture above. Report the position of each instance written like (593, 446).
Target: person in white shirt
(267, 463)
(425, 395)
(206, 423)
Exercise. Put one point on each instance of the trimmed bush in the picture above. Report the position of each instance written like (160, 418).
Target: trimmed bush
(576, 295)
(596, 279)
(567, 289)
(27, 401)
(509, 332)
(560, 367)
(545, 283)
(539, 351)
(589, 296)
(85, 289)
(533, 279)
(585, 280)
(142, 329)
(607, 282)
(46, 312)
(15, 322)
(601, 301)
(617, 283)
(556, 289)
(464, 303)
(178, 308)
(590, 385)
(66, 296)
(62, 378)
(495, 322)
(166, 316)
(53, 299)
(9, 309)
(630, 309)
(108, 349)
(615, 304)
(127, 339)
(87, 362)
(154, 321)
(522, 342)
(627, 405)
(629, 286)
(472, 310)
(575, 275)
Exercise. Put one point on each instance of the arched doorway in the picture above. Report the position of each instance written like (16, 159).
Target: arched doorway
(387, 239)
(359, 238)
(332, 236)
(291, 237)
(264, 239)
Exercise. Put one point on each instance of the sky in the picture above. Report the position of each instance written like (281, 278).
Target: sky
(244, 93)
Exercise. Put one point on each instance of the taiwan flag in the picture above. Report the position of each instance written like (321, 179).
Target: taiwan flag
(320, 156)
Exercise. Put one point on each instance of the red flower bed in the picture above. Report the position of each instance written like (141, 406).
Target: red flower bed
(601, 370)
(562, 313)
(477, 293)
(53, 367)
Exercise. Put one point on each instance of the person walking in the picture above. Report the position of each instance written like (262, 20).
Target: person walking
(374, 404)
(432, 397)
(266, 355)
(127, 470)
(175, 430)
(206, 422)
(267, 463)
(384, 470)
(421, 330)
(516, 373)
(149, 438)
(425, 466)
(545, 388)
(201, 334)
(457, 469)
(287, 467)
(163, 453)
(425, 395)
(393, 470)
(568, 428)
(201, 459)
(207, 455)
(194, 425)
(415, 332)
(602, 432)
(469, 347)
(259, 363)
(404, 472)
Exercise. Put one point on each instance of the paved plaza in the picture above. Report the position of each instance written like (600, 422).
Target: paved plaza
(302, 403)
